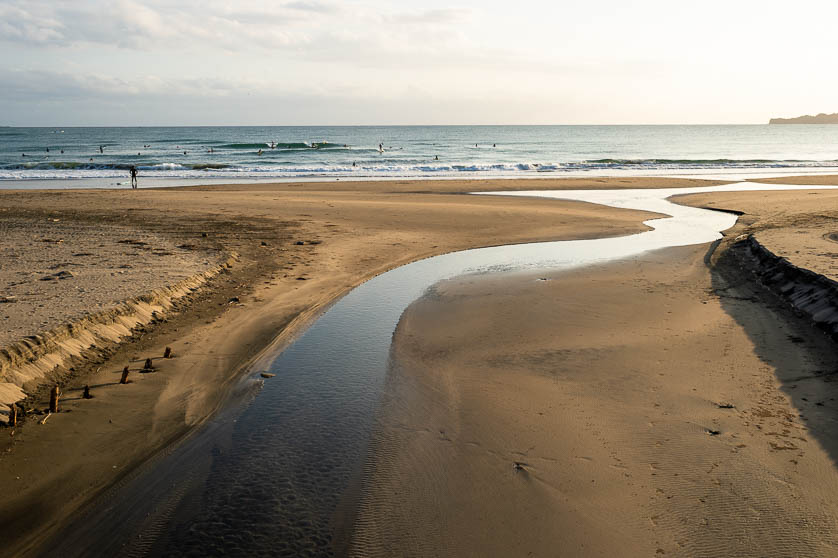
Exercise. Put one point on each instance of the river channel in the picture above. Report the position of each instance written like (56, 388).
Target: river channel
(269, 475)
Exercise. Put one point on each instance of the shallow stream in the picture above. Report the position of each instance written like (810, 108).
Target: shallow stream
(270, 477)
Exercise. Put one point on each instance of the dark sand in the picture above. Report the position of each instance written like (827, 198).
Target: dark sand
(300, 247)
(656, 406)
(460, 412)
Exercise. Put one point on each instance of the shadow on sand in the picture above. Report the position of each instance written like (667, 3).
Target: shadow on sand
(804, 358)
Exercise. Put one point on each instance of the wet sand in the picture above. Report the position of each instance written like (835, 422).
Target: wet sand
(647, 407)
(302, 245)
(299, 247)
(664, 405)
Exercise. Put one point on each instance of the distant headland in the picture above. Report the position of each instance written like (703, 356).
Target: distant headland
(808, 119)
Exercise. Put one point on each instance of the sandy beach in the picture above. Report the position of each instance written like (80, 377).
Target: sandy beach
(516, 424)
(297, 246)
(659, 406)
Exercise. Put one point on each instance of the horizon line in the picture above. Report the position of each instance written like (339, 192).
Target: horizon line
(371, 125)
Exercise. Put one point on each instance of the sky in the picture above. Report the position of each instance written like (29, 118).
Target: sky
(355, 62)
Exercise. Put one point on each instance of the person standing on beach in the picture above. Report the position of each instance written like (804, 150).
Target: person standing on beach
(133, 177)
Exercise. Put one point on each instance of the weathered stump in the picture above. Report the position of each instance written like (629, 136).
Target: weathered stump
(53, 399)
(148, 367)
(167, 353)
(86, 393)
(124, 379)
(12, 415)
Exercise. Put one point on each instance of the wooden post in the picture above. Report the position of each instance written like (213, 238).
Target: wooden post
(86, 394)
(12, 415)
(53, 399)
(167, 353)
(148, 366)
(124, 379)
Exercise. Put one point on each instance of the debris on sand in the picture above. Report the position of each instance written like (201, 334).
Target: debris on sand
(56, 276)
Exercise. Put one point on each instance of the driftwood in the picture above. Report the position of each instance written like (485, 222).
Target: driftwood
(13, 415)
(53, 399)
(124, 379)
(44, 420)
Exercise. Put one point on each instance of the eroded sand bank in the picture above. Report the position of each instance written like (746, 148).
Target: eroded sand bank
(302, 245)
(299, 246)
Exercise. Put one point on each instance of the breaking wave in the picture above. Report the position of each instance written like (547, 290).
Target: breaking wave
(290, 169)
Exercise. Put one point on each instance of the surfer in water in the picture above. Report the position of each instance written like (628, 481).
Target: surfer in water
(133, 177)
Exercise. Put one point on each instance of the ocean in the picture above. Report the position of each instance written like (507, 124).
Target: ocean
(71, 157)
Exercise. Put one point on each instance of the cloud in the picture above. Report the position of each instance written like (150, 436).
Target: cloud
(434, 16)
(313, 6)
(20, 22)
(47, 87)
(154, 24)
(92, 100)
(193, 25)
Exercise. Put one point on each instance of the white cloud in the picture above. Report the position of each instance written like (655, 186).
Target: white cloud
(536, 58)
(434, 16)
(20, 21)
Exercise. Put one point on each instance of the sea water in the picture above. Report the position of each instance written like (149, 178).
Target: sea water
(101, 157)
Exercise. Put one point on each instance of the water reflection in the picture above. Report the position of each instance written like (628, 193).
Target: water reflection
(270, 482)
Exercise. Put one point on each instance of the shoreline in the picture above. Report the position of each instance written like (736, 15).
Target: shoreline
(549, 216)
(152, 182)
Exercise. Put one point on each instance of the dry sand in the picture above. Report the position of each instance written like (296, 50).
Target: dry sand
(300, 246)
(460, 411)
(799, 226)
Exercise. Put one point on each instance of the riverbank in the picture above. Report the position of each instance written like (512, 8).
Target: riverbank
(299, 246)
(665, 405)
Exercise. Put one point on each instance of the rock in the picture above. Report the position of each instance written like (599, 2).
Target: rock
(233, 300)
(299, 243)
(267, 375)
(58, 275)
(7, 299)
